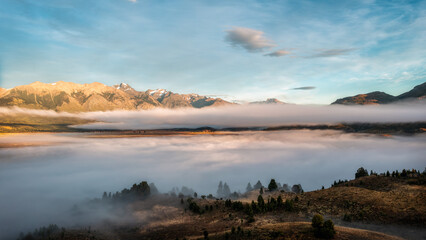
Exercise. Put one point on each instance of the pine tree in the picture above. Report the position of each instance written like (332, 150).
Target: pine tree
(272, 185)
(220, 190)
(260, 202)
(249, 188)
(279, 201)
(226, 190)
(258, 185)
(404, 173)
(153, 188)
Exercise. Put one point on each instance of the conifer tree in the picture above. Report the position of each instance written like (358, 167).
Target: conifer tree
(258, 185)
(249, 187)
(226, 190)
(220, 190)
(272, 185)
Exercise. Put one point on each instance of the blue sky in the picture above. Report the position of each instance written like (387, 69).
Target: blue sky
(238, 50)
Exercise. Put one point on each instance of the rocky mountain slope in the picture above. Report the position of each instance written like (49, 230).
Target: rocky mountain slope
(73, 97)
(417, 93)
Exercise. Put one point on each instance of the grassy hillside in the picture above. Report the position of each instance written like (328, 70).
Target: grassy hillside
(385, 200)
(372, 199)
(32, 123)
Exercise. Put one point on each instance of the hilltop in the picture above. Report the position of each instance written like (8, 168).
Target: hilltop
(416, 94)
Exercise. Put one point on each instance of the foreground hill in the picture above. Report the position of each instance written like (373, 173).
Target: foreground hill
(417, 93)
(73, 97)
(395, 203)
(192, 231)
(374, 199)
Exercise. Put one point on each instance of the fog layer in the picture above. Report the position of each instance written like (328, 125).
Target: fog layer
(38, 185)
(255, 115)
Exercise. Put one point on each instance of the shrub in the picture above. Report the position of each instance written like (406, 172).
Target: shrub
(193, 206)
(328, 230)
(289, 205)
(347, 217)
(317, 221)
(323, 229)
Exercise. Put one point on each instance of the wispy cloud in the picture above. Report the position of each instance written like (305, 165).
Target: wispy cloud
(331, 52)
(133, 1)
(250, 39)
(278, 53)
(304, 88)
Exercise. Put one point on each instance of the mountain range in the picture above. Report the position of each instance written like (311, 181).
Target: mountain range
(417, 93)
(74, 97)
(269, 101)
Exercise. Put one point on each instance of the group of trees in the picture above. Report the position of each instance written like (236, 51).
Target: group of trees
(405, 173)
(323, 229)
(183, 192)
(413, 173)
(336, 183)
(362, 172)
(274, 186)
(136, 192)
(143, 190)
(52, 232)
(261, 206)
(223, 190)
(195, 208)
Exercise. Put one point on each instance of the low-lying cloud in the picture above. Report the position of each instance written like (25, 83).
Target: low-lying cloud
(46, 113)
(250, 39)
(254, 116)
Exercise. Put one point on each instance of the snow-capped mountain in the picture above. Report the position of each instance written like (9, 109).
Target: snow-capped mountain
(73, 97)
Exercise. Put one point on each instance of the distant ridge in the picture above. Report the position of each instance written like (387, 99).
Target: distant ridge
(416, 94)
(269, 101)
(74, 97)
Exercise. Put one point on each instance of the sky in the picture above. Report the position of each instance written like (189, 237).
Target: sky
(297, 51)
